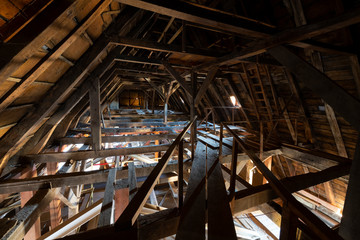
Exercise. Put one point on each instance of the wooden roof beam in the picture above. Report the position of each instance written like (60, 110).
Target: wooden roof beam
(52, 56)
(77, 178)
(288, 36)
(178, 78)
(155, 46)
(204, 16)
(209, 78)
(9, 144)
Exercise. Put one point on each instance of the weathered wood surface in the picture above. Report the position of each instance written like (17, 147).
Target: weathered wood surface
(10, 143)
(213, 19)
(288, 36)
(316, 159)
(340, 100)
(81, 155)
(74, 179)
(255, 196)
(220, 220)
(192, 219)
(110, 139)
(132, 211)
(314, 223)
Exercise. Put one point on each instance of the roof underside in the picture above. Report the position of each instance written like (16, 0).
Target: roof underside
(283, 73)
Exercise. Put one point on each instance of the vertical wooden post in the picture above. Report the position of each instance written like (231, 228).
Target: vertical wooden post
(213, 118)
(165, 112)
(221, 140)
(121, 201)
(349, 227)
(153, 102)
(124, 196)
(288, 224)
(261, 140)
(268, 163)
(34, 232)
(183, 37)
(233, 168)
(94, 94)
(193, 113)
(55, 209)
(180, 173)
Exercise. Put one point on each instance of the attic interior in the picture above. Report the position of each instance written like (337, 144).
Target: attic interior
(196, 119)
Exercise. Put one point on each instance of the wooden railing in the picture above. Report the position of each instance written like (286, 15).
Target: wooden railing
(132, 211)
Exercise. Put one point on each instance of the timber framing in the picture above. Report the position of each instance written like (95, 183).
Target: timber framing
(148, 119)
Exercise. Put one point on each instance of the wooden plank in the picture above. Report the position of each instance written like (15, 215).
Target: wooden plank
(203, 16)
(81, 155)
(233, 169)
(106, 216)
(312, 158)
(132, 211)
(130, 130)
(35, 230)
(154, 46)
(54, 205)
(132, 180)
(74, 179)
(314, 223)
(193, 131)
(192, 219)
(111, 139)
(209, 78)
(220, 220)
(341, 101)
(209, 142)
(181, 174)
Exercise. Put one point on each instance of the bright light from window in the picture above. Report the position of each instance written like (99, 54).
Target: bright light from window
(233, 100)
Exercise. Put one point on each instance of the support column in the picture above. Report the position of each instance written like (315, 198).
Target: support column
(153, 102)
(193, 112)
(34, 232)
(55, 205)
(349, 228)
(94, 93)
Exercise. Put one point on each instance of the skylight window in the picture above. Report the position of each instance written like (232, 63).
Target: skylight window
(234, 102)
